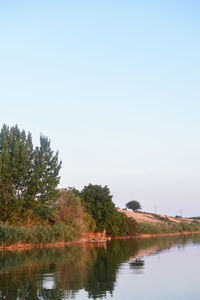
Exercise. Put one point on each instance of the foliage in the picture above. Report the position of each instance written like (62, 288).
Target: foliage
(37, 235)
(121, 225)
(70, 211)
(99, 205)
(90, 223)
(28, 177)
(69, 207)
(169, 227)
(134, 205)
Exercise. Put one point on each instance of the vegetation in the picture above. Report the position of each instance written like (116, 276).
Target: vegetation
(37, 235)
(98, 203)
(70, 211)
(133, 205)
(161, 218)
(168, 227)
(28, 178)
(34, 211)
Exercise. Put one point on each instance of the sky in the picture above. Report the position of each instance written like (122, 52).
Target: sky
(115, 87)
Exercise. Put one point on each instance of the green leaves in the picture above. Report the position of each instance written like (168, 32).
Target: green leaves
(99, 205)
(28, 177)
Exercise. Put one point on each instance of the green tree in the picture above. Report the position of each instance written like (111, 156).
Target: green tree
(28, 176)
(42, 185)
(134, 205)
(15, 164)
(98, 203)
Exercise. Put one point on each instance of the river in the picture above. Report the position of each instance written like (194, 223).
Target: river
(157, 268)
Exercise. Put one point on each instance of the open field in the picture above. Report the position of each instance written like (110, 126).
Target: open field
(142, 217)
(159, 224)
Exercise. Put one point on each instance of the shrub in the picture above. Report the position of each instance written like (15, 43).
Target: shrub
(71, 212)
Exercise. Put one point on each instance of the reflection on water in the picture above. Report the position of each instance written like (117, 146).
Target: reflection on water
(62, 273)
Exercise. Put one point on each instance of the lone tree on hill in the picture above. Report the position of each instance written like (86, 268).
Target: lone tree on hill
(134, 205)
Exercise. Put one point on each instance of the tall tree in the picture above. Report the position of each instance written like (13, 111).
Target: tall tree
(28, 176)
(15, 152)
(44, 178)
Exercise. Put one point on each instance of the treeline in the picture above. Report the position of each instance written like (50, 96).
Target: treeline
(29, 196)
(95, 209)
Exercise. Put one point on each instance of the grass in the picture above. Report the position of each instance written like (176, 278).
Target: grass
(169, 227)
(38, 235)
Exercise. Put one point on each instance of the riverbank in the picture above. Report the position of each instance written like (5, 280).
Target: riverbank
(98, 241)
(60, 235)
(39, 235)
(152, 235)
(21, 247)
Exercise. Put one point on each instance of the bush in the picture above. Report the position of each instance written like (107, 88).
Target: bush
(71, 212)
(121, 225)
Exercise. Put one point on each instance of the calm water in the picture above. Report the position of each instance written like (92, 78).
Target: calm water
(168, 268)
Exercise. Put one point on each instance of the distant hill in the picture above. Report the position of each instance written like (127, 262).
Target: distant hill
(143, 217)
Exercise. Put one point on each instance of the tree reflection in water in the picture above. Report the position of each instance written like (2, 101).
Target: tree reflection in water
(89, 267)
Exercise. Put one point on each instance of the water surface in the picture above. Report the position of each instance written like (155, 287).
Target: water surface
(166, 268)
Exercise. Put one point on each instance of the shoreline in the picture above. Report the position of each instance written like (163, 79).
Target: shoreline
(151, 235)
(21, 247)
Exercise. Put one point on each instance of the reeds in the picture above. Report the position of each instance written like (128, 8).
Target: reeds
(37, 235)
(168, 227)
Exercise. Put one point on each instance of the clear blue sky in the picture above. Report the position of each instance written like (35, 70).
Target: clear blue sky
(115, 86)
